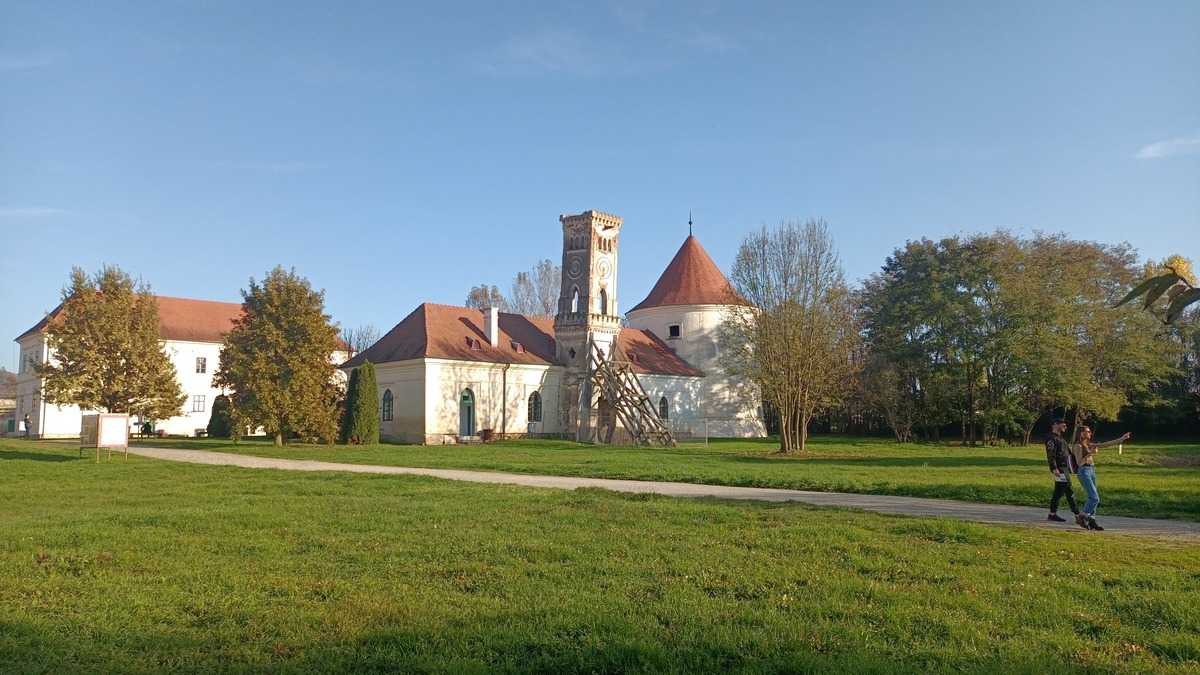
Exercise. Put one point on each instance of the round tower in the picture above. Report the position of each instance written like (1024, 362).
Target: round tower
(685, 309)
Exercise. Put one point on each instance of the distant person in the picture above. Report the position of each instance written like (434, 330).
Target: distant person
(27, 424)
(1083, 454)
(1058, 456)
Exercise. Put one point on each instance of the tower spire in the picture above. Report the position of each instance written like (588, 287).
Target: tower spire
(689, 223)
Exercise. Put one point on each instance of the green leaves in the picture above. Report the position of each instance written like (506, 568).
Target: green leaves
(105, 338)
(276, 360)
(1182, 294)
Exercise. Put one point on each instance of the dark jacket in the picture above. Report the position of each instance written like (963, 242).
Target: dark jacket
(1058, 454)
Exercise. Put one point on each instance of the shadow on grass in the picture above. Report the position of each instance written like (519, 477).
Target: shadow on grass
(501, 643)
(36, 456)
(935, 461)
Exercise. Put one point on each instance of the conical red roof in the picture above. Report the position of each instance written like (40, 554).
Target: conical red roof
(692, 278)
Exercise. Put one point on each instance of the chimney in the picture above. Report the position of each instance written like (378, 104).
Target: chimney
(491, 325)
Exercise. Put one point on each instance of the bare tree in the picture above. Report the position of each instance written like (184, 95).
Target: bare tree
(484, 296)
(359, 339)
(535, 293)
(798, 342)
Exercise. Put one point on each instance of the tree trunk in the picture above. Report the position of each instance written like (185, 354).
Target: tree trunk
(278, 439)
(803, 431)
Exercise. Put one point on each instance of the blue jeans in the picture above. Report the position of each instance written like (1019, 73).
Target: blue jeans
(1087, 478)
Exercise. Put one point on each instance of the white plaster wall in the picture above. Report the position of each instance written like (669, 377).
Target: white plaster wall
(446, 379)
(183, 356)
(406, 381)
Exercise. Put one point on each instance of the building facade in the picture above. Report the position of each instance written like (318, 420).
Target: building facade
(445, 372)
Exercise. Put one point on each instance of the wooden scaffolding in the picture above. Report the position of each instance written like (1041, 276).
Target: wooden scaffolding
(620, 391)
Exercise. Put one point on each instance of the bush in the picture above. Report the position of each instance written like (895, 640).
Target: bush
(219, 423)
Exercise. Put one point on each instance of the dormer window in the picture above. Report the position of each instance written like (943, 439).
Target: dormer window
(673, 331)
(474, 344)
(518, 347)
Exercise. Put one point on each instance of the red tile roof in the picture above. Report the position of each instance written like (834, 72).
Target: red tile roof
(692, 278)
(447, 332)
(183, 319)
(179, 319)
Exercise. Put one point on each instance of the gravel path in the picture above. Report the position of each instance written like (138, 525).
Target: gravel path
(911, 506)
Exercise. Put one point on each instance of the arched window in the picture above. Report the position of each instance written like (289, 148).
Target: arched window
(574, 300)
(603, 301)
(386, 408)
(663, 412)
(535, 407)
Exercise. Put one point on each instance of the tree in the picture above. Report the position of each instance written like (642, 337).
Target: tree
(798, 342)
(360, 422)
(996, 332)
(220, 423)
(106, 350)
(361, 338)
(484, 296)
(276, 360)
(535, 293)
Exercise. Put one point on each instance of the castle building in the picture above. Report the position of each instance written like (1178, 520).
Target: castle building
(445, 373)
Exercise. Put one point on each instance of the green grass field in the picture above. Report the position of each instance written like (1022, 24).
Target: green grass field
(141, 565)
(1152, 480)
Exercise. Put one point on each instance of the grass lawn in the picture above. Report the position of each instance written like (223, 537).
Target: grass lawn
(143, 565)
(1152, 480)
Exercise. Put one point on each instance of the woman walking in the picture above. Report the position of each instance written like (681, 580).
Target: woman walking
(1083, 455)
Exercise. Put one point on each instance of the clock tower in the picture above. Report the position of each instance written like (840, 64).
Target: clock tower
(587, 309)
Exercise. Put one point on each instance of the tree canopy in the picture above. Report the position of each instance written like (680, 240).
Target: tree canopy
(106, 350)
(275, 362)
(993, 332)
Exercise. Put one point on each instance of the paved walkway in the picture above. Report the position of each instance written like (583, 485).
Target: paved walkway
(911, 506)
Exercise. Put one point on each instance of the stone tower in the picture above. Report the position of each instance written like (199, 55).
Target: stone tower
(587, 309)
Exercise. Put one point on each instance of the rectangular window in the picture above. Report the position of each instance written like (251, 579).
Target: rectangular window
(201, 364)
(198, 403)
(673, 330)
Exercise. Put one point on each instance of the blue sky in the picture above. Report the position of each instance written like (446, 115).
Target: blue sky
(400, 154)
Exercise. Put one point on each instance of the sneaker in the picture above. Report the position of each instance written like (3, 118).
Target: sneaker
(1056, 518)
(1081, 520)
(1093, 525)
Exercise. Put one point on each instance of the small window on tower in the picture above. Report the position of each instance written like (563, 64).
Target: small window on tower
(673, 330)
(201, 364)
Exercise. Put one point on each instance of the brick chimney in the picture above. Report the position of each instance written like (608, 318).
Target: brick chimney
(491, 325)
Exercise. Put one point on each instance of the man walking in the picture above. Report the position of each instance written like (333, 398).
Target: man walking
(1058, 456)
(28, 424)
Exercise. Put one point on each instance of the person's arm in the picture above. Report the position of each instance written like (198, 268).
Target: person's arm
(1109, 444)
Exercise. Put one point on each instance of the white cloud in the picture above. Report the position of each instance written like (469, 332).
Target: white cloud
(1184, 145)
(30, 212)
(17, 62)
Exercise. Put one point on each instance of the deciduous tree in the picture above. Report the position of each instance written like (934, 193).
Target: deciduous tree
(276, 361)
(106, 349)
(798, 342)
